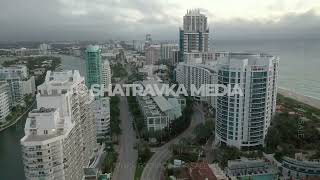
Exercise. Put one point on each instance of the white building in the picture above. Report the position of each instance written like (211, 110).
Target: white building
(166, 51)
(197, 75)
(60, 136)
(4, 102)
(153, 54)
(19, 83)
(160, 111)
(45, 49)
(251, 169)
(101, 109)
(106, 73)
(243, 121)
(192, 58)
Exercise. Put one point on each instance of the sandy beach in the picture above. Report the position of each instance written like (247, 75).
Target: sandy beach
(304, 99)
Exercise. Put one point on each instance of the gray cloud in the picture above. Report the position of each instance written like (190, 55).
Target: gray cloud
(292, 25)
(130, 19)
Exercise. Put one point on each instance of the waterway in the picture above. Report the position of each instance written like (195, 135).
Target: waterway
(299, 64)
(11, 167)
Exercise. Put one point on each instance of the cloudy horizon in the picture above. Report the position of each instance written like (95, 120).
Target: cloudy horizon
(37, 20)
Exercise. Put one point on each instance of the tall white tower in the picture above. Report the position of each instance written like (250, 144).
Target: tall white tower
(60, 135)
(243, 121)
(106, 73)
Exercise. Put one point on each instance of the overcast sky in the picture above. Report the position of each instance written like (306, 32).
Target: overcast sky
(132, 19)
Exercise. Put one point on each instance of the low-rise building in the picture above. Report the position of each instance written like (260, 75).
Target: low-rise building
(159, 111)
(205, 171)
(251, 168)
(300, 169)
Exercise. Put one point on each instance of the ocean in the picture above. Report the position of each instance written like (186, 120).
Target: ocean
(299, 61)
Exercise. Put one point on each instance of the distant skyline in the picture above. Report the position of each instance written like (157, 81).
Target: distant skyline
(36, 20)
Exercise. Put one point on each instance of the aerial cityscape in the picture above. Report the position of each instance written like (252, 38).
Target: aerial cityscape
(203, 90)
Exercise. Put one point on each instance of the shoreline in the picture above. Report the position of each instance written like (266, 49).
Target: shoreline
(311, 101)
(18, 118)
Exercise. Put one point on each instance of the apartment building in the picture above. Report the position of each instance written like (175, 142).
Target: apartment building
(106, 73)
(101, 109)
(243, 121)
(194, 36)
(4, 102)
(196, 75)
(160, 111)
(19, 83)
(60, 136)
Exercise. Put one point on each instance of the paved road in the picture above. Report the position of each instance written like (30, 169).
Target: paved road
(126, 164)
(154, 167)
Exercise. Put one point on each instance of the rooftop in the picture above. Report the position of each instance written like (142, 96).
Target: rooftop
(93, 48)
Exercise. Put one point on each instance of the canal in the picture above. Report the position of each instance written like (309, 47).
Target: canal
(11, 167)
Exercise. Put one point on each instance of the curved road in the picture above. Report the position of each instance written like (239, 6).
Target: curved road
(154, 168)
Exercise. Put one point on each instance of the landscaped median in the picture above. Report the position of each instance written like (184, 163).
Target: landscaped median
(144, 154)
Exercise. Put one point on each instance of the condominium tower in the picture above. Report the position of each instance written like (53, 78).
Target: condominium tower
(194, 36)
(153, 54)
(93, 65)
(101, 108)
(60, 136)
(166, 51)
(4, 102)
(243, 120)
(196, 75)
(19, 83)
(106, 73)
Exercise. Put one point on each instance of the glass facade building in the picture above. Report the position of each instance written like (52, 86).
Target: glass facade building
(93, 65)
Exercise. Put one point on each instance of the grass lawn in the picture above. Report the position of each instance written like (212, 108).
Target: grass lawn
(138, 172)
(140, 168)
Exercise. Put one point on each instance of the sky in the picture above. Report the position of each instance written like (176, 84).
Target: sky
(40, 20)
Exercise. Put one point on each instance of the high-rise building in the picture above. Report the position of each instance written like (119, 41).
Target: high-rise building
(243, 121)
(106, 73)
(60, 136)
(197, 75)
(165, 51)
(45, 49)
(148, 41)
(4, 102)
(93, 65)
(153, 54)
(19, 83)
(174, 56)
(101, 109)
(194, 36)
